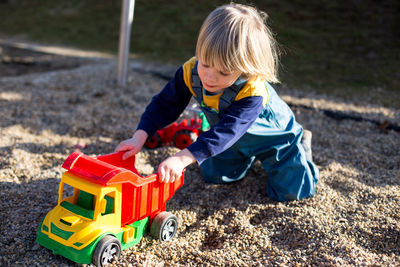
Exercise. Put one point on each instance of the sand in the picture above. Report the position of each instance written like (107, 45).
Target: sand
(353, 220)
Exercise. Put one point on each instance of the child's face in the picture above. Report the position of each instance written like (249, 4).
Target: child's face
(215, 80)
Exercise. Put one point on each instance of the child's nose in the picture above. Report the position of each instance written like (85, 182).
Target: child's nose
(211, 76)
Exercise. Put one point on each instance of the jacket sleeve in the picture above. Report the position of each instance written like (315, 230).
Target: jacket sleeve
(234, 123)
(166, 106)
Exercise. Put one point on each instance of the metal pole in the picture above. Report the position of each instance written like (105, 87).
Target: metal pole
(124, 40)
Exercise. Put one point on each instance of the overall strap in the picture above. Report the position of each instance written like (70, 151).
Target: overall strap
(212, 118)
(196, 84)
(230, 94)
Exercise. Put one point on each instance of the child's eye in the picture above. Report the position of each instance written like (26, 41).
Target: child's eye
(205, 65)
(224, 73)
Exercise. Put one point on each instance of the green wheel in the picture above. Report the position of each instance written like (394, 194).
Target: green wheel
(164, 226)
(107, 248)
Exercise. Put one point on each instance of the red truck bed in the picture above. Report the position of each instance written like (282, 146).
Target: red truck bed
(141, 196)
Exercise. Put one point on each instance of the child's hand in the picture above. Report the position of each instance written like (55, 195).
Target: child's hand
(132, 145)
(171, 169)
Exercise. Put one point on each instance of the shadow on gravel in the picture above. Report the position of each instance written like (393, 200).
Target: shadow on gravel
(23, 206)
(16, 61)
(36, 148)
(382, 240)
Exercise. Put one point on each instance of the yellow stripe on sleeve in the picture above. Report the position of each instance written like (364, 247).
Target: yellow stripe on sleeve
(254, 87)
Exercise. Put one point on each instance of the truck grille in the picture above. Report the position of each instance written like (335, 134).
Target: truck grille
(59, 232)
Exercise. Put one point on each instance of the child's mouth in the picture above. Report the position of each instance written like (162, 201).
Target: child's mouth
(208, 86)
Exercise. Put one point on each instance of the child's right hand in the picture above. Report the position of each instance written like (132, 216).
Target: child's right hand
(132, 145)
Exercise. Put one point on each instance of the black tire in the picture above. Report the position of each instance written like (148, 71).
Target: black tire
(153, 142)
(164, 226)
(184, 138)
(106, 249)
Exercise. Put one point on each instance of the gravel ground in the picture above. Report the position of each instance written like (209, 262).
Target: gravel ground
(353, 220)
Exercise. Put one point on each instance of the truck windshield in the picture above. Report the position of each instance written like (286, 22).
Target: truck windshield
(78, 201)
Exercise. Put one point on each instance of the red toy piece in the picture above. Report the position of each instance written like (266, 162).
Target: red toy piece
(180, 134)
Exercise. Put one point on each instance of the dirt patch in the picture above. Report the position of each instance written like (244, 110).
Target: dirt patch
(352, 220)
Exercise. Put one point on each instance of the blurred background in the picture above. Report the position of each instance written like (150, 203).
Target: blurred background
(342, 48)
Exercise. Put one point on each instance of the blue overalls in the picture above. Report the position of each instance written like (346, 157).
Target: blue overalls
(274, 139)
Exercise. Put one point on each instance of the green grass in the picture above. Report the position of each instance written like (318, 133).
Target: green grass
(341, 48)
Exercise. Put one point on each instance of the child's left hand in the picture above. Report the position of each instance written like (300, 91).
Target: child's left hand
(171, 169)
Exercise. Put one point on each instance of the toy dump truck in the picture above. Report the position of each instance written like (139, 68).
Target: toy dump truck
(105, 206)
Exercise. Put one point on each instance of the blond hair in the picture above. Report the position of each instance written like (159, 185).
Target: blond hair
(234, 38)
